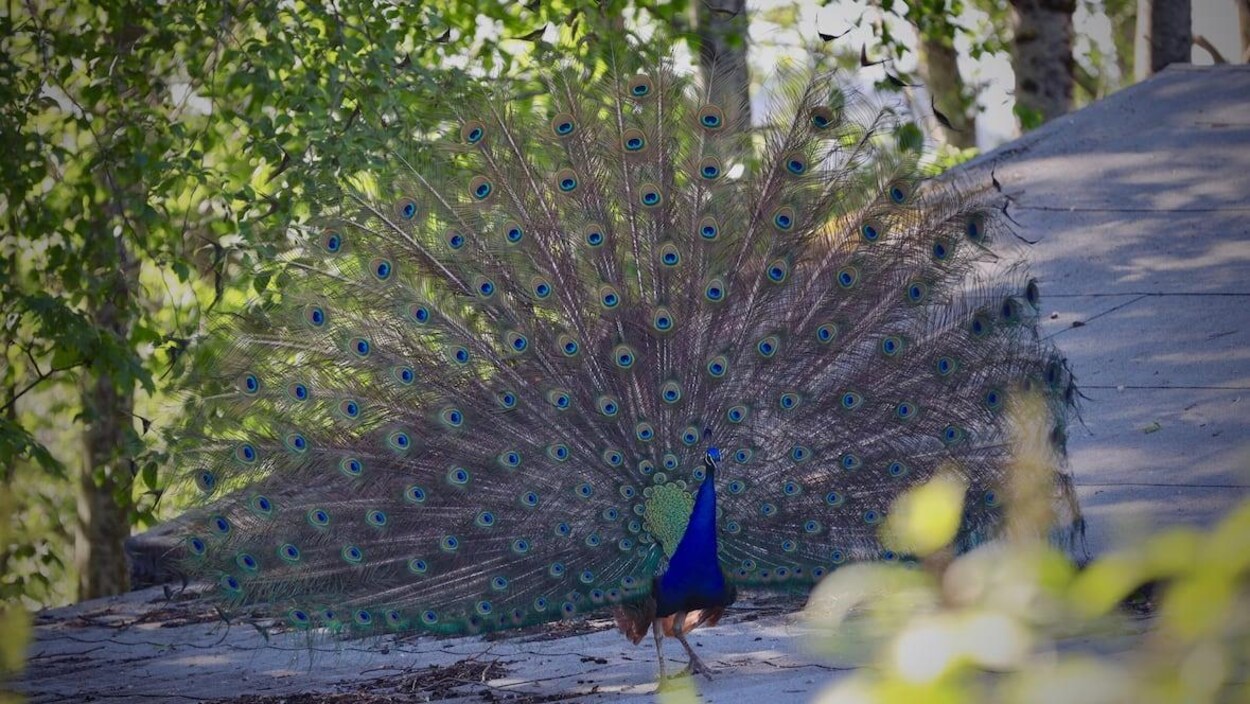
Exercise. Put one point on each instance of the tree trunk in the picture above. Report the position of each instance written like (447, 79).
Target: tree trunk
(108, 397)
(1164, 35)
(721, 26)
(939, 66)
(1043, 59)
(108, 405)
(1243, 19)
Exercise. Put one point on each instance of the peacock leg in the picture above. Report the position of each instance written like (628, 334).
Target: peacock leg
(696, 666)
(658, 630)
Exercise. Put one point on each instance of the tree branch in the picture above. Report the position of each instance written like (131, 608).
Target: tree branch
(39, 379)
(1205, 43)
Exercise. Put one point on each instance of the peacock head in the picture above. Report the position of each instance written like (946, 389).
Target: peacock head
(711, 460)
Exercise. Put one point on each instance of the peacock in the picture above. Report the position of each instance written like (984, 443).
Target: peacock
(612, 349)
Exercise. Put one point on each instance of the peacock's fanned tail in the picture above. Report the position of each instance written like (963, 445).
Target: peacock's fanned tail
(481, 397)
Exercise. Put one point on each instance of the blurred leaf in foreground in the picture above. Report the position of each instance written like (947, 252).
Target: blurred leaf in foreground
(925, 519)
(1016, 620)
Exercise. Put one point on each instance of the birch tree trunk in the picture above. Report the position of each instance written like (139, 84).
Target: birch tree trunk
(1043, 59)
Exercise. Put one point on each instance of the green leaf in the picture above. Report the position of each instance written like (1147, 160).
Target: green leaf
(909, 137)
(261, 282)
(149, 475)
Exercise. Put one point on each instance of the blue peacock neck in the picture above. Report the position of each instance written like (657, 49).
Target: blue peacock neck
(694, 579)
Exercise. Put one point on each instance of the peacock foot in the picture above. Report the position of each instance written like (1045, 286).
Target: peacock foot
(696, 667)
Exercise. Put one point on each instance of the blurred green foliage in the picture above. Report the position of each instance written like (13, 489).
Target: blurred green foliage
(15, 623)
(1017, 621)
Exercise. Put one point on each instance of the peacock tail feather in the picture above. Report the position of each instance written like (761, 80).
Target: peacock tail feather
(480, 399)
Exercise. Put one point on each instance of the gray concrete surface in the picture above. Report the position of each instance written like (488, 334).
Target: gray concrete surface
(1140, 208)
(143, 648)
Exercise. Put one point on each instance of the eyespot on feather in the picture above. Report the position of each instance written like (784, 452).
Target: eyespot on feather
(594, 235)
(768, 346)
(916, 292)
(624, 356)
(563, 125)
(484, 287)
(795, 163)
(568, 345)
(974, 228)
(382, 269)
(718, 366)
(826, 332)
(480, 188)
(246, 453)
(513, 233)
(899, 191)
(851, 400)
(406, 209)
(670, 392)
(669, 254)
(1033, 294)
(822, 118)
(332, 241)
(515, 342)
(404, 374)
(872, 230)
(351, 467)
(507, 399)
(315, 316)
(560, 398)
(472, 132)
(206, 481)
(420, 313)
(634, 141)
(980, 325)
(710, 168)
(540, 287)
(906, 410)
(663, 320)
(710, 117)
(609, 298)
(714, 291)
(778, 271)
(640, 86)
(783, 218)
(296, 443)
(650, 195)
(848, 276)
(1010, 311)
(566, 180)
(892, 345)
(608, 406)
(708, 228)
(249, 384)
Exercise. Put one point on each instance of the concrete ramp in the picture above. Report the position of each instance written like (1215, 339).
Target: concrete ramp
(1140, 209)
